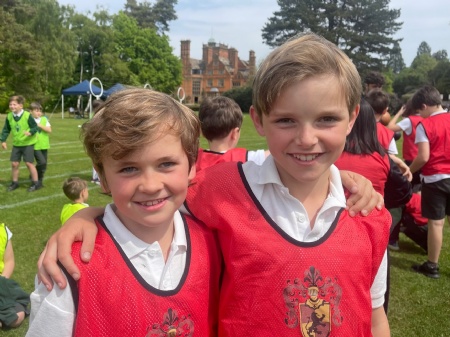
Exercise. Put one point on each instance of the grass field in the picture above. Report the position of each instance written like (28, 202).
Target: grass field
(419, 306)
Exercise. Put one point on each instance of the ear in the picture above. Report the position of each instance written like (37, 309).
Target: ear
(257, 121)
(353, 119)
(192, 173)
(235, 134)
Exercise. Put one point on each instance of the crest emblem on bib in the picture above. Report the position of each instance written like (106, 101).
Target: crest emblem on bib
(313, 304)
(172, 326)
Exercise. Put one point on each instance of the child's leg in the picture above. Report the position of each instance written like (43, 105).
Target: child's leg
(33, 172)
(416, 233)
(41, 163)
(15, 171)
(435, 233)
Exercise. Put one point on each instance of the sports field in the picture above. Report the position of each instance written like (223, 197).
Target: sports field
(419, 306)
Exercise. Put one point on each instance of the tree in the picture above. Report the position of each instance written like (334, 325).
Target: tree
(424, 49)
(362, 29)
(395, 60)
(148, 56)
(156, 17)
(441, 55)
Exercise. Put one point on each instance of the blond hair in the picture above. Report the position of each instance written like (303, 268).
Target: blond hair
(132, 118)
(298, 59)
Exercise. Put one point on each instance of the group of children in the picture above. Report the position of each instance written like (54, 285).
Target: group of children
(260, 246)
(30, 139)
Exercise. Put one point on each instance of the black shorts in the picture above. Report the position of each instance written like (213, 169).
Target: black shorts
(436, 199)
(27, 152)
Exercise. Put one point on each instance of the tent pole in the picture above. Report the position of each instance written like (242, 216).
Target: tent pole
(62, 107)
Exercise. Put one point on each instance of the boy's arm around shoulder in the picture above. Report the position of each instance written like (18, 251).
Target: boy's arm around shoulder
(80, 227)
(363, 198)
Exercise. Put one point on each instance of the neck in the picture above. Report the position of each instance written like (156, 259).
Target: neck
(222, 145)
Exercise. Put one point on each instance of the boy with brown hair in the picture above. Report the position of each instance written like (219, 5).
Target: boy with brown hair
(221, 121)
(282, 226)
(433, 158)
(24, 132)
(76, 190)
(155, 271)
(43, 141)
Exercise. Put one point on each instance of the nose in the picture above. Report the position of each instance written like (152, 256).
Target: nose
(150, 182)
(306, 135)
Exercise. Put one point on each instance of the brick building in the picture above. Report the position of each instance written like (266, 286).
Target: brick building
(219, 70)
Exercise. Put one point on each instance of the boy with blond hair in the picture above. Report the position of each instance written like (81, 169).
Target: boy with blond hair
(76, 190)
(155, 271)
(24, 132)
(221, 121)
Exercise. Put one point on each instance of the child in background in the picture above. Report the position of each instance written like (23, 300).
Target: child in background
(76, 189)
(364, 154)
(13, 300)
(24, 132)
(282, 226)
(408, 125)
(155, 271)
(221, 122)
(433, 157)
(43, 141)
(413, 224)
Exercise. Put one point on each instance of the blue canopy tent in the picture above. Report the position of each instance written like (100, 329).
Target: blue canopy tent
(114, 88)
(82, 88)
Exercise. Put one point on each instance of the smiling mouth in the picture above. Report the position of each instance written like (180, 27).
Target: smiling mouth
(153, 202)
(305, 157)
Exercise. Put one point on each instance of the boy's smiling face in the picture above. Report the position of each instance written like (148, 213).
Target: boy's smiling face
(306, 131)
(15, 107)
(149, 185)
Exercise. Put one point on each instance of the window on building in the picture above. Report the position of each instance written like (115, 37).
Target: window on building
(196, 72)
(210, 83)
(221, 71)
(236, 84)
(196, 84)
(210, 72)
(220, 83)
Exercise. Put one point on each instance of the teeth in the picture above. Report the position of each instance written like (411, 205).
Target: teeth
(307, 157)
(152, 203)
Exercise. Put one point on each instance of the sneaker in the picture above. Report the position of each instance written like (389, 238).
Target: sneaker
(33, 188)
(95, 181)
(13, 186)
(427, 269)
(394, 246)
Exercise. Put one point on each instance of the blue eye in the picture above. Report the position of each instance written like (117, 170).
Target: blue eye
(128, 170)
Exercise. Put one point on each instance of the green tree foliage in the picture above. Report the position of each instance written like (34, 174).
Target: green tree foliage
(148, 55)
(363, 29)
(55, 45)
(156, 16)
(424, 49)
(45, 47)
(20, 59)
(395, 60)
(242, 96)
(440, 55)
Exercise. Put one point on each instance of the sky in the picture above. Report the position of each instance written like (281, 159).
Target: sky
(238, 24)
